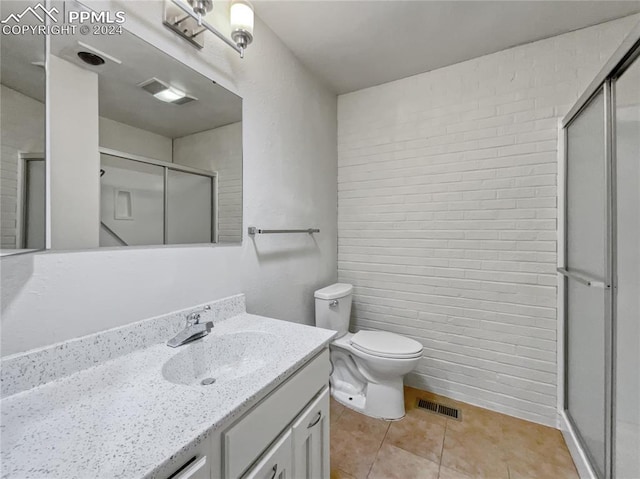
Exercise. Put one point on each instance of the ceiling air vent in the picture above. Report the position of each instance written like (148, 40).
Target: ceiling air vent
(165, 92)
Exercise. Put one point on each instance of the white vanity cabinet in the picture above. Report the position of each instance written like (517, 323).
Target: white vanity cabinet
(291, 422)
(310, 438)
(302, 452)
(284, 436)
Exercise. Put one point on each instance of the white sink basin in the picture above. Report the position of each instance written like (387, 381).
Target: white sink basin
(223, 357)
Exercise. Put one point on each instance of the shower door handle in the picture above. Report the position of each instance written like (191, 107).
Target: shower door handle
(584, 279)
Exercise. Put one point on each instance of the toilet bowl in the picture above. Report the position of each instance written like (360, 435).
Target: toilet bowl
(368, 367)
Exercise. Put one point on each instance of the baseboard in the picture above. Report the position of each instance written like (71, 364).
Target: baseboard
(577, 453)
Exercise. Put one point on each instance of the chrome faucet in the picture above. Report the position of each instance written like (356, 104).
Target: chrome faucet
(193, 330)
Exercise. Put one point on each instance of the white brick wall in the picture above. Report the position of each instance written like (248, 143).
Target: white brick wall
(447, 215)
(22, 120)
(218, 150)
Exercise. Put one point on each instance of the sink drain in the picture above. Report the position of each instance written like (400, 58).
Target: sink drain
(207, 381)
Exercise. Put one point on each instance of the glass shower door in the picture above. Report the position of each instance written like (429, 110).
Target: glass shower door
(131, 202)
(187, 192)
(627, 334)
(585, 273)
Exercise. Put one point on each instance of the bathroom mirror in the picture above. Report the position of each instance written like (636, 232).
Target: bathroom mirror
(144, 150)
(22, 138)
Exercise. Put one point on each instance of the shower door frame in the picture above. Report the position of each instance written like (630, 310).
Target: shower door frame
(623, 57)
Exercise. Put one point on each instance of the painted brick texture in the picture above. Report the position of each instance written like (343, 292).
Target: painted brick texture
(447, 215)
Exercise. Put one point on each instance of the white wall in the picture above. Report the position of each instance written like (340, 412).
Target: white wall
(22, 120)
(75, 162)
(218, 150)
(447, 215)
(129, 139)
(289, 180)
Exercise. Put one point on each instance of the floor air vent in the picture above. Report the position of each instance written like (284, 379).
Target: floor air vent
(440, 409)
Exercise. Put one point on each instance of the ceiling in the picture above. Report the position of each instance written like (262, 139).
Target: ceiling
(121, 99)
(358, 44)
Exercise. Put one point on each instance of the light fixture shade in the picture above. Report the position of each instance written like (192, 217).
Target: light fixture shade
(170, 95)
(241, 17)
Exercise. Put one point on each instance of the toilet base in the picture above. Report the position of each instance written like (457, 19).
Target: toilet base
(384, 400)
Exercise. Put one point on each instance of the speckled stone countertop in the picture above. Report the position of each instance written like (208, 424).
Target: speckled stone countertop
(121, 418)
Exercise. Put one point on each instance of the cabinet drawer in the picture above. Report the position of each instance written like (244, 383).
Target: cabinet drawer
(195, 469)
(252, 434)
(193, 464)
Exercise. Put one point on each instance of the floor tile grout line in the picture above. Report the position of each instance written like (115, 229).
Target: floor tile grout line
(379, 447)
(444, 438)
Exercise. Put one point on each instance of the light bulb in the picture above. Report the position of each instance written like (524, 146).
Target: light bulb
(170, 95)
(241, 19)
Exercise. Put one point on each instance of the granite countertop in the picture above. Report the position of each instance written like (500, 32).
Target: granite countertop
(121, 418)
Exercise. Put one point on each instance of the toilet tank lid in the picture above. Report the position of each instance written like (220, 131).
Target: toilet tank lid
(334, 291)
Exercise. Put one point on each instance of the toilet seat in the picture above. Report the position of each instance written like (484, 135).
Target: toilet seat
(386, 345)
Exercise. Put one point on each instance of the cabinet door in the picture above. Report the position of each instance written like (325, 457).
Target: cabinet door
(276, 463)
(311, 440)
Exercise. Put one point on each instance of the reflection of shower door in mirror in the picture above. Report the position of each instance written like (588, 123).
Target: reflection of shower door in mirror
(34, 203)
(150, 202)
(131, 202)
(189, 208)
(585, 285)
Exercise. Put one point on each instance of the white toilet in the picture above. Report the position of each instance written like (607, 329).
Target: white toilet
(368, 366)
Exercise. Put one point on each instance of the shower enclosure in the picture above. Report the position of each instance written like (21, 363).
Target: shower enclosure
(600, 268)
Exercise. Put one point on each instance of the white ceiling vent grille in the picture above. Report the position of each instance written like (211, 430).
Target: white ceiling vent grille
(158, 87)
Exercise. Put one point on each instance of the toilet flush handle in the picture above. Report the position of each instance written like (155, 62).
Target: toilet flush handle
(334, 303)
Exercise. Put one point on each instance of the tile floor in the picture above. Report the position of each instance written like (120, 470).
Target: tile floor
(423, 445)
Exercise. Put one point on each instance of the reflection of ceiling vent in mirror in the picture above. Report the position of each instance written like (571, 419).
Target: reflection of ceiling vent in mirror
(88, 57)
(91, 58)
(164, 92)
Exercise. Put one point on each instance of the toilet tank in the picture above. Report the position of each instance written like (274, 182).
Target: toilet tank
(333, 307)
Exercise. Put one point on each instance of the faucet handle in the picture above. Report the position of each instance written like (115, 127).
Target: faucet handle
(194, 316)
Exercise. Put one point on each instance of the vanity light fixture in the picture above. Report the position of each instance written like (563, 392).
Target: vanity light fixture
(201, 7)
(165, 92)
(241, 19)
(187, 20)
